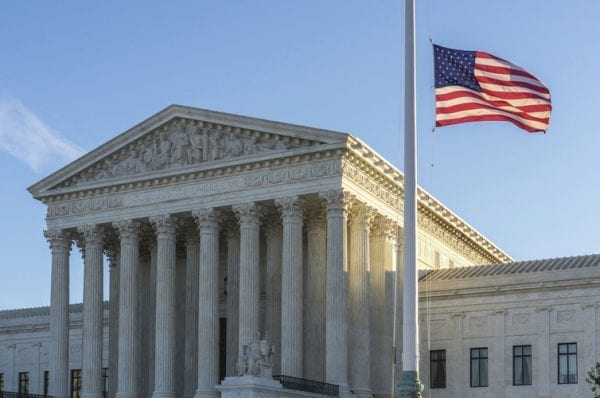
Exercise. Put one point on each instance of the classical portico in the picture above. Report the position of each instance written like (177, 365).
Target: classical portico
(219, 227)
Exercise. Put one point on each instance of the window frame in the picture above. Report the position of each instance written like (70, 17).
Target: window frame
(437, 384)
(522, 357)
(46, 382)
(75, 383)
(567, 354)
(479, 360)
(23, 382)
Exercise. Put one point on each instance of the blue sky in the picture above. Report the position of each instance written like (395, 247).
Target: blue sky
(76, 73)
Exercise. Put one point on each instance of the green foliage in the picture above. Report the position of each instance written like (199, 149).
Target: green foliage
(594, 379)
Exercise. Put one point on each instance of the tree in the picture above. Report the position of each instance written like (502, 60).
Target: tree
(594, 379)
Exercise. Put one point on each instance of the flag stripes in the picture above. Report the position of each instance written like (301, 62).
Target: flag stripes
(476, 86)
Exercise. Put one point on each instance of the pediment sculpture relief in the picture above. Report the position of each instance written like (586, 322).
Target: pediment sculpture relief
(182, 143)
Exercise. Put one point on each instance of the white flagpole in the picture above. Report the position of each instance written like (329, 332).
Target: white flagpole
(410, 385)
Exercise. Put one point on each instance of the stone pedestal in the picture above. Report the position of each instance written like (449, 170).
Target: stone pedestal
(250, 387)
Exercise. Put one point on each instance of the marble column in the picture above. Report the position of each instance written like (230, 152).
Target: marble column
(113, 322)
(382, 295)
(208, 311)
(249, 311)
(316, 274)
(291, 286)
(358, 297)
(128, 309)
(273, 233)
(232, 233)
(164, 355)
(60, 246)
(192, 261)
(336, 335)
(93, 308)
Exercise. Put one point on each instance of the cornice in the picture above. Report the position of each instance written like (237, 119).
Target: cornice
(502, 289)
(196, 173)
(433, 216)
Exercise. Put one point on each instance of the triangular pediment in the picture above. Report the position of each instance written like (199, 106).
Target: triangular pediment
(180, 138)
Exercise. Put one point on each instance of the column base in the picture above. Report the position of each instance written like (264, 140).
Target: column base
(91, 395)
(163, 394)
(206, 394)
(409, 386)
(250, 387)
(344, 390)
(362, 393)
(126, 395)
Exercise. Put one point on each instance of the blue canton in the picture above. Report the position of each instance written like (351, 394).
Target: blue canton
(454, 68)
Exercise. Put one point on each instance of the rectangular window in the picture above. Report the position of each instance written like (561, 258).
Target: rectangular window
(75, 383)
(438, 260)
(46, 382)
(479, 367)
(1, 382)
(521, 365)
(437, 368)
(23, 382)
(104, 382)
(567, 363)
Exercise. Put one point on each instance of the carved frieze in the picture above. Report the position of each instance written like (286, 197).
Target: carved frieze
(181, 143)
(259, 179)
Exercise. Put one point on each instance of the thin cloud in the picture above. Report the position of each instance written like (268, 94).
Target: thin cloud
(27, 138)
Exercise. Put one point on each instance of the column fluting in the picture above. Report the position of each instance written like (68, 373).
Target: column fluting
(336, 334)
(208, 311)
(60, 246)
(164, 356)
(232, 233)
(273, 234)
(128, 309)
(192, 261)
(93, 312)
(360, 375)
(113, 322)
(248, 215)
(382, 293)
(291, 286)
(316, 274)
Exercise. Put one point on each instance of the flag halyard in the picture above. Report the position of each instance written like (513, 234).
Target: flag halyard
(472, 86)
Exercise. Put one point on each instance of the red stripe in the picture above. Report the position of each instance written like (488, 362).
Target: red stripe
(486, 118)
(471, 105)
(481, 54)
(506, 71)
(510, 95)
(483, 79)
(461, 94)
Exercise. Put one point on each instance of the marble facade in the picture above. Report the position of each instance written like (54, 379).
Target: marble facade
(218, 226)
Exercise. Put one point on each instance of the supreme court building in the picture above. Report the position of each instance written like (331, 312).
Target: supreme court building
(218, 228)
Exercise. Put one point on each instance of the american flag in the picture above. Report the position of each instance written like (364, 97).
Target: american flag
(472, 86)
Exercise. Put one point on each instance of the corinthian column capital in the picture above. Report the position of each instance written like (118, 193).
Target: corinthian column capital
(290, 206)
(361, 215)
(207, 218)
(248, 213)
(127, 229)
(59, 240)
(164, 225)
(91, 234)
(338, 200)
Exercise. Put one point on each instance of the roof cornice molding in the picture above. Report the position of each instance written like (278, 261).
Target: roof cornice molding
(172, 112)
(360, 154)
